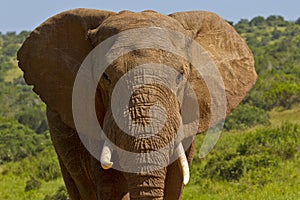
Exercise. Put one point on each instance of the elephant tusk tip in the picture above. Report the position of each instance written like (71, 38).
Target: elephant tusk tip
(186, 179)
(107, 165)
(105, 158)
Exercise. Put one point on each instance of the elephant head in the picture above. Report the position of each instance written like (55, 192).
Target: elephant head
(161, 97)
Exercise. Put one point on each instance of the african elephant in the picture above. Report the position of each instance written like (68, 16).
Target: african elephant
(51, 58)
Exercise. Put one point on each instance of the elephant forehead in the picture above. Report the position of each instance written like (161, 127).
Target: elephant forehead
(136, 58)
(126, 20)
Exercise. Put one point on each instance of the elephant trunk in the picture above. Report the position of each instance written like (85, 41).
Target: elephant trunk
(153, 122)
(148, 185)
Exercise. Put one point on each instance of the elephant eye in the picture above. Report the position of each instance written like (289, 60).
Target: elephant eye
(106, 77)
(179, 77)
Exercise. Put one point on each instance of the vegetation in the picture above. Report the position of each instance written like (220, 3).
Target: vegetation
(246, 116)
(257, 157)
(18, 141)
(275, 45)
(260, 164)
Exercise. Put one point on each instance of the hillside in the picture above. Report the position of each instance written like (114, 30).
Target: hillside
(257, 157)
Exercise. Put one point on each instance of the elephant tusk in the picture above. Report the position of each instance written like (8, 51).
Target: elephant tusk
(184, 165)
(105, 157)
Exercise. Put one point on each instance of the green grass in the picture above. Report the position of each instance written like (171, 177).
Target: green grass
(278, 183)
(278, 116)
(13, 187)
(14, 175)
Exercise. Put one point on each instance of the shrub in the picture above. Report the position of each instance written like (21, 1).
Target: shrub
(279, 90)
(246, 116)
(282, 141)
(32, 184)
(259, 150)
(44, 166)
(34, 118)
(61, 194)
(47, 165)
(297, 21)
(232, 167)
(258, 21)
(18, 141)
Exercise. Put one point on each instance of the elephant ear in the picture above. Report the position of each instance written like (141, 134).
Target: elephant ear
(52, 54)
(230, 54)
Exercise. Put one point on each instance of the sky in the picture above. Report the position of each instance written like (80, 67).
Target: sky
(18, 15)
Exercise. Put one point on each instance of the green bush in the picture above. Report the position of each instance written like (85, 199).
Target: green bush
(246, 116)
(20, 103)
(260, 150)
(276, 20)
(283, 94)
(282, 142)
(32, 184)
(18, 141)
(232, 167)
(258, 21)
(61, 194)
(10, 49)
(297, 21)
(47, 167)
(34, 119)
(43, 167)
(282, 90)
